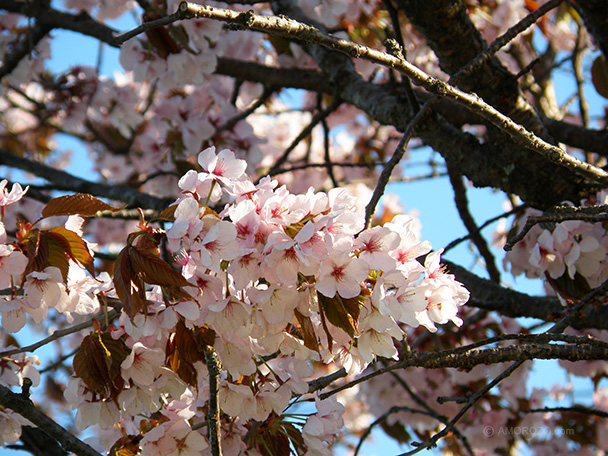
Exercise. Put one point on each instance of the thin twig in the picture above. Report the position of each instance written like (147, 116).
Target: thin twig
(329, 166)
(214, 366)
(600, 216)
(488, 222)
(584, 410)
(268, 91)
(385, 175)
(147, 26)
(57, 335)
(462, 205)
(407, 84)
(383, 417)
(441, 418)
(429, 443)
(577, 66)
(23, 48)
(318, 117)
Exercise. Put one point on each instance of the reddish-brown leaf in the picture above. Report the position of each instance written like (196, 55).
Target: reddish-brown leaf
(307, 330)
(77, 248)
(337, 314)
(182, 353)
(136, 266)
(126, 446)
(204, 337)
(167, 214)
(353, 308)
(186, 347)
(98, 362)
(275, 437)
(330, 339)
(128, 285)
(154, 270)
(58, 248)
(37, 252)
(295, 435)
(599, 75)
(397, 431)
(79, 204)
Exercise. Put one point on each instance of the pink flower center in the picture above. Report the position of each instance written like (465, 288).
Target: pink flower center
(372, 245)
(338, 273)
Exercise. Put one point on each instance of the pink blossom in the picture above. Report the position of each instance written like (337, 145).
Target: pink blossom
(342, 274)
(140, 363)
(374, 245)
(218, 244)
(13, 314)
(43, 290)
(223, 167)
(12, 265)
(187, 221)
(16, 193)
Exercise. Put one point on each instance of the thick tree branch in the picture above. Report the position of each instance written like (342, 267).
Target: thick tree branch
(28, 410)
(458, 44)
(23, 48)
(595, 15)
(468, 359)
(587, 139)
(64, 181)
(276, 77)
(508, 166)
(487, 295)
(48, 17)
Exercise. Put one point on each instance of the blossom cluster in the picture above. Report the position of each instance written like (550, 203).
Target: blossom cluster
(286, 253)
(13, 369)
(567, 251)
(291, 278)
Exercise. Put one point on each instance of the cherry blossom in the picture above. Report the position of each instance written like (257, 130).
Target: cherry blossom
(342, 274)
(6, 197)
(139, 365)
(12, 265)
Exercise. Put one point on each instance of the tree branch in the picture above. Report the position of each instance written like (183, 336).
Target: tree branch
(487, 295)
(48, 17)
(214, 366)
(58, 334)
(24, 48)
(462, 205)
(470, 358)
(65, 181)
(28, 410)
